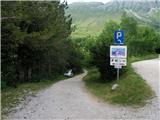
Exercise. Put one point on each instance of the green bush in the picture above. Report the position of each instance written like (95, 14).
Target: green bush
(157, 50)
(101, 52)
(3, 84)
(139, 47)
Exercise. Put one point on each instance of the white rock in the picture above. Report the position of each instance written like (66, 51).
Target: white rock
(114, 86)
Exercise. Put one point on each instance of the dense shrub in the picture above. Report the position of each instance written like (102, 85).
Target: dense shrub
(139, 47)
(101, 52)
(101, 59)
(157, 50)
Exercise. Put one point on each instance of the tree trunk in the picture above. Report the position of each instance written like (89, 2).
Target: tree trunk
(29, 74)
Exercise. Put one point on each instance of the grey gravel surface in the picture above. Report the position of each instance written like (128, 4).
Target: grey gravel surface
(69, 100)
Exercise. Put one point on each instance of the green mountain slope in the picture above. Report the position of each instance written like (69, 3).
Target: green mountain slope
(90, 17)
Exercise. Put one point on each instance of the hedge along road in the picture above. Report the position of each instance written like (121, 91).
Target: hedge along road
(68, 99)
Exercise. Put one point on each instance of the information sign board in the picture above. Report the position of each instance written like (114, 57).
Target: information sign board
(118, 51)
(118, 61)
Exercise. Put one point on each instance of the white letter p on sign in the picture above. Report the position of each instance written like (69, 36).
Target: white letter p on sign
(119, 34)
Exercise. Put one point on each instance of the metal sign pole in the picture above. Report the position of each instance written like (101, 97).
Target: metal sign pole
(117, 74)
(118, 69)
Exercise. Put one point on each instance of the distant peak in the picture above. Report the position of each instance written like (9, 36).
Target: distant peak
(89, 3)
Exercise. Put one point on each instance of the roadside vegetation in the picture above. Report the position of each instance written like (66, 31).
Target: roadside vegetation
(132, 89)
(142, 43)
(144, 57)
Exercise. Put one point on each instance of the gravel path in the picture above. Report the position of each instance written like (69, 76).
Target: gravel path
(150, 71)
(68, 99)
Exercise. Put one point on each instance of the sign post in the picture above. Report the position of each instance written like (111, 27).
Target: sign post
(118, 51)
(118, 70)
(117, 73)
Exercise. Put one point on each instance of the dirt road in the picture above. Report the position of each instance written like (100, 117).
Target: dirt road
(68, 99)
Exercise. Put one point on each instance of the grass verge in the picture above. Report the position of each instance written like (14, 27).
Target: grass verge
(12, 97)
(144, 57)
(132, 90)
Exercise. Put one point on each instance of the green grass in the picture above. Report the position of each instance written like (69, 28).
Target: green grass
(12, 97)
(132, 90)
(142, 57)
(92, 26)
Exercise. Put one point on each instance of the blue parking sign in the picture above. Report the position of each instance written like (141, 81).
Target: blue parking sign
(119, 37)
